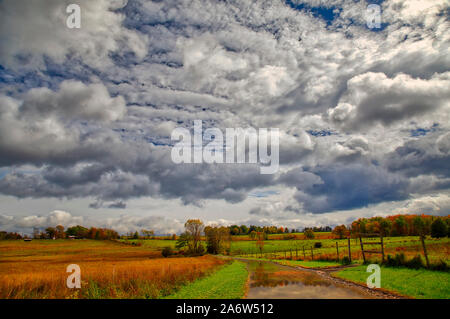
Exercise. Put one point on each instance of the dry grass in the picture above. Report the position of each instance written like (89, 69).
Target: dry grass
(108, 270)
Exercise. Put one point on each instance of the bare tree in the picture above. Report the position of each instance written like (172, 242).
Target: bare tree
(194, 229)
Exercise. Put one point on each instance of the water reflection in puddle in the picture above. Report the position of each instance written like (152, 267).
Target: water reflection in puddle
(275, 281)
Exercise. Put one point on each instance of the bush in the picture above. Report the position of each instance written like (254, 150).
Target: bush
(318, 245)
(199, 252)
(400, 259)
(346, 261)
(397, 261)
(415, 263)
(167, 251)
(440, 266)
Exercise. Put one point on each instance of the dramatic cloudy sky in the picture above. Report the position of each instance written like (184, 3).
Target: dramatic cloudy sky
(86, 114)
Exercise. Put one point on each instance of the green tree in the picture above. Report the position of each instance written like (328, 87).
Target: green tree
(438, 228)
(235, 230)
(419, 225)
(182, 241)
(244, 229)
(77, 231)
(400, 226)
(51, 232)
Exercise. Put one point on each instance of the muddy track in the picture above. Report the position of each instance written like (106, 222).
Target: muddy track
(327, 274)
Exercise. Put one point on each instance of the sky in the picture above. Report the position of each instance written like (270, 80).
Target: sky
(86, 114)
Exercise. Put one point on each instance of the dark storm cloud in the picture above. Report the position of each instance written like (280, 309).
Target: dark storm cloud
(351, 186)
(426, 155)
(373, 98)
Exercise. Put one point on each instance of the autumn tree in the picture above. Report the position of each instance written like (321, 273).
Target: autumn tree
(340, 231)
(309, 233)
(60, 232)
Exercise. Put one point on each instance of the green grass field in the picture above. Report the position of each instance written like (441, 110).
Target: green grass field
(226, 283)
(423, 284)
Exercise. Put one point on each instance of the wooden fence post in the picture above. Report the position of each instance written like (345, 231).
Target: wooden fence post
(382, 247)
(296, 252)
(337, 251)
(422, 238)
(349, 251)
(312, 253)
(362, 249)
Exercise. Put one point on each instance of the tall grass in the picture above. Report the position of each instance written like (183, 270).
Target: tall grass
(107, 271)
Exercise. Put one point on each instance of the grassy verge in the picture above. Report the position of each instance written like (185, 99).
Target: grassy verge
(421, 283)
(308, 264)
(226, 283)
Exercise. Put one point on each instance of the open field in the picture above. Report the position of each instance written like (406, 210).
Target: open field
(114, 269)
(419, 283)
(37, 269)
(227, 283)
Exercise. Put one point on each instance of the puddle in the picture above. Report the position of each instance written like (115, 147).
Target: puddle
(268, 280)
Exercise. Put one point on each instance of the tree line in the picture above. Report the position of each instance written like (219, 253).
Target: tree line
(397, 225)
(79, 232)
(248, 230)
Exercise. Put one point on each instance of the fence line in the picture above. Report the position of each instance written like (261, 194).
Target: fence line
(288, 253)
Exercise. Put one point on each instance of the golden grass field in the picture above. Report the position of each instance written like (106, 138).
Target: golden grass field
(37, 269)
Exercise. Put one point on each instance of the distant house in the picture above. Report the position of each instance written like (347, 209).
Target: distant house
(27, 239)
(72, 237)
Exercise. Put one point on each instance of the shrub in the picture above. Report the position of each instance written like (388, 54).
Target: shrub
(400, 259)
(167, 251)
(346, 261)
(397, 261)
(440, 266)
(318, 245)
(415, 263)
